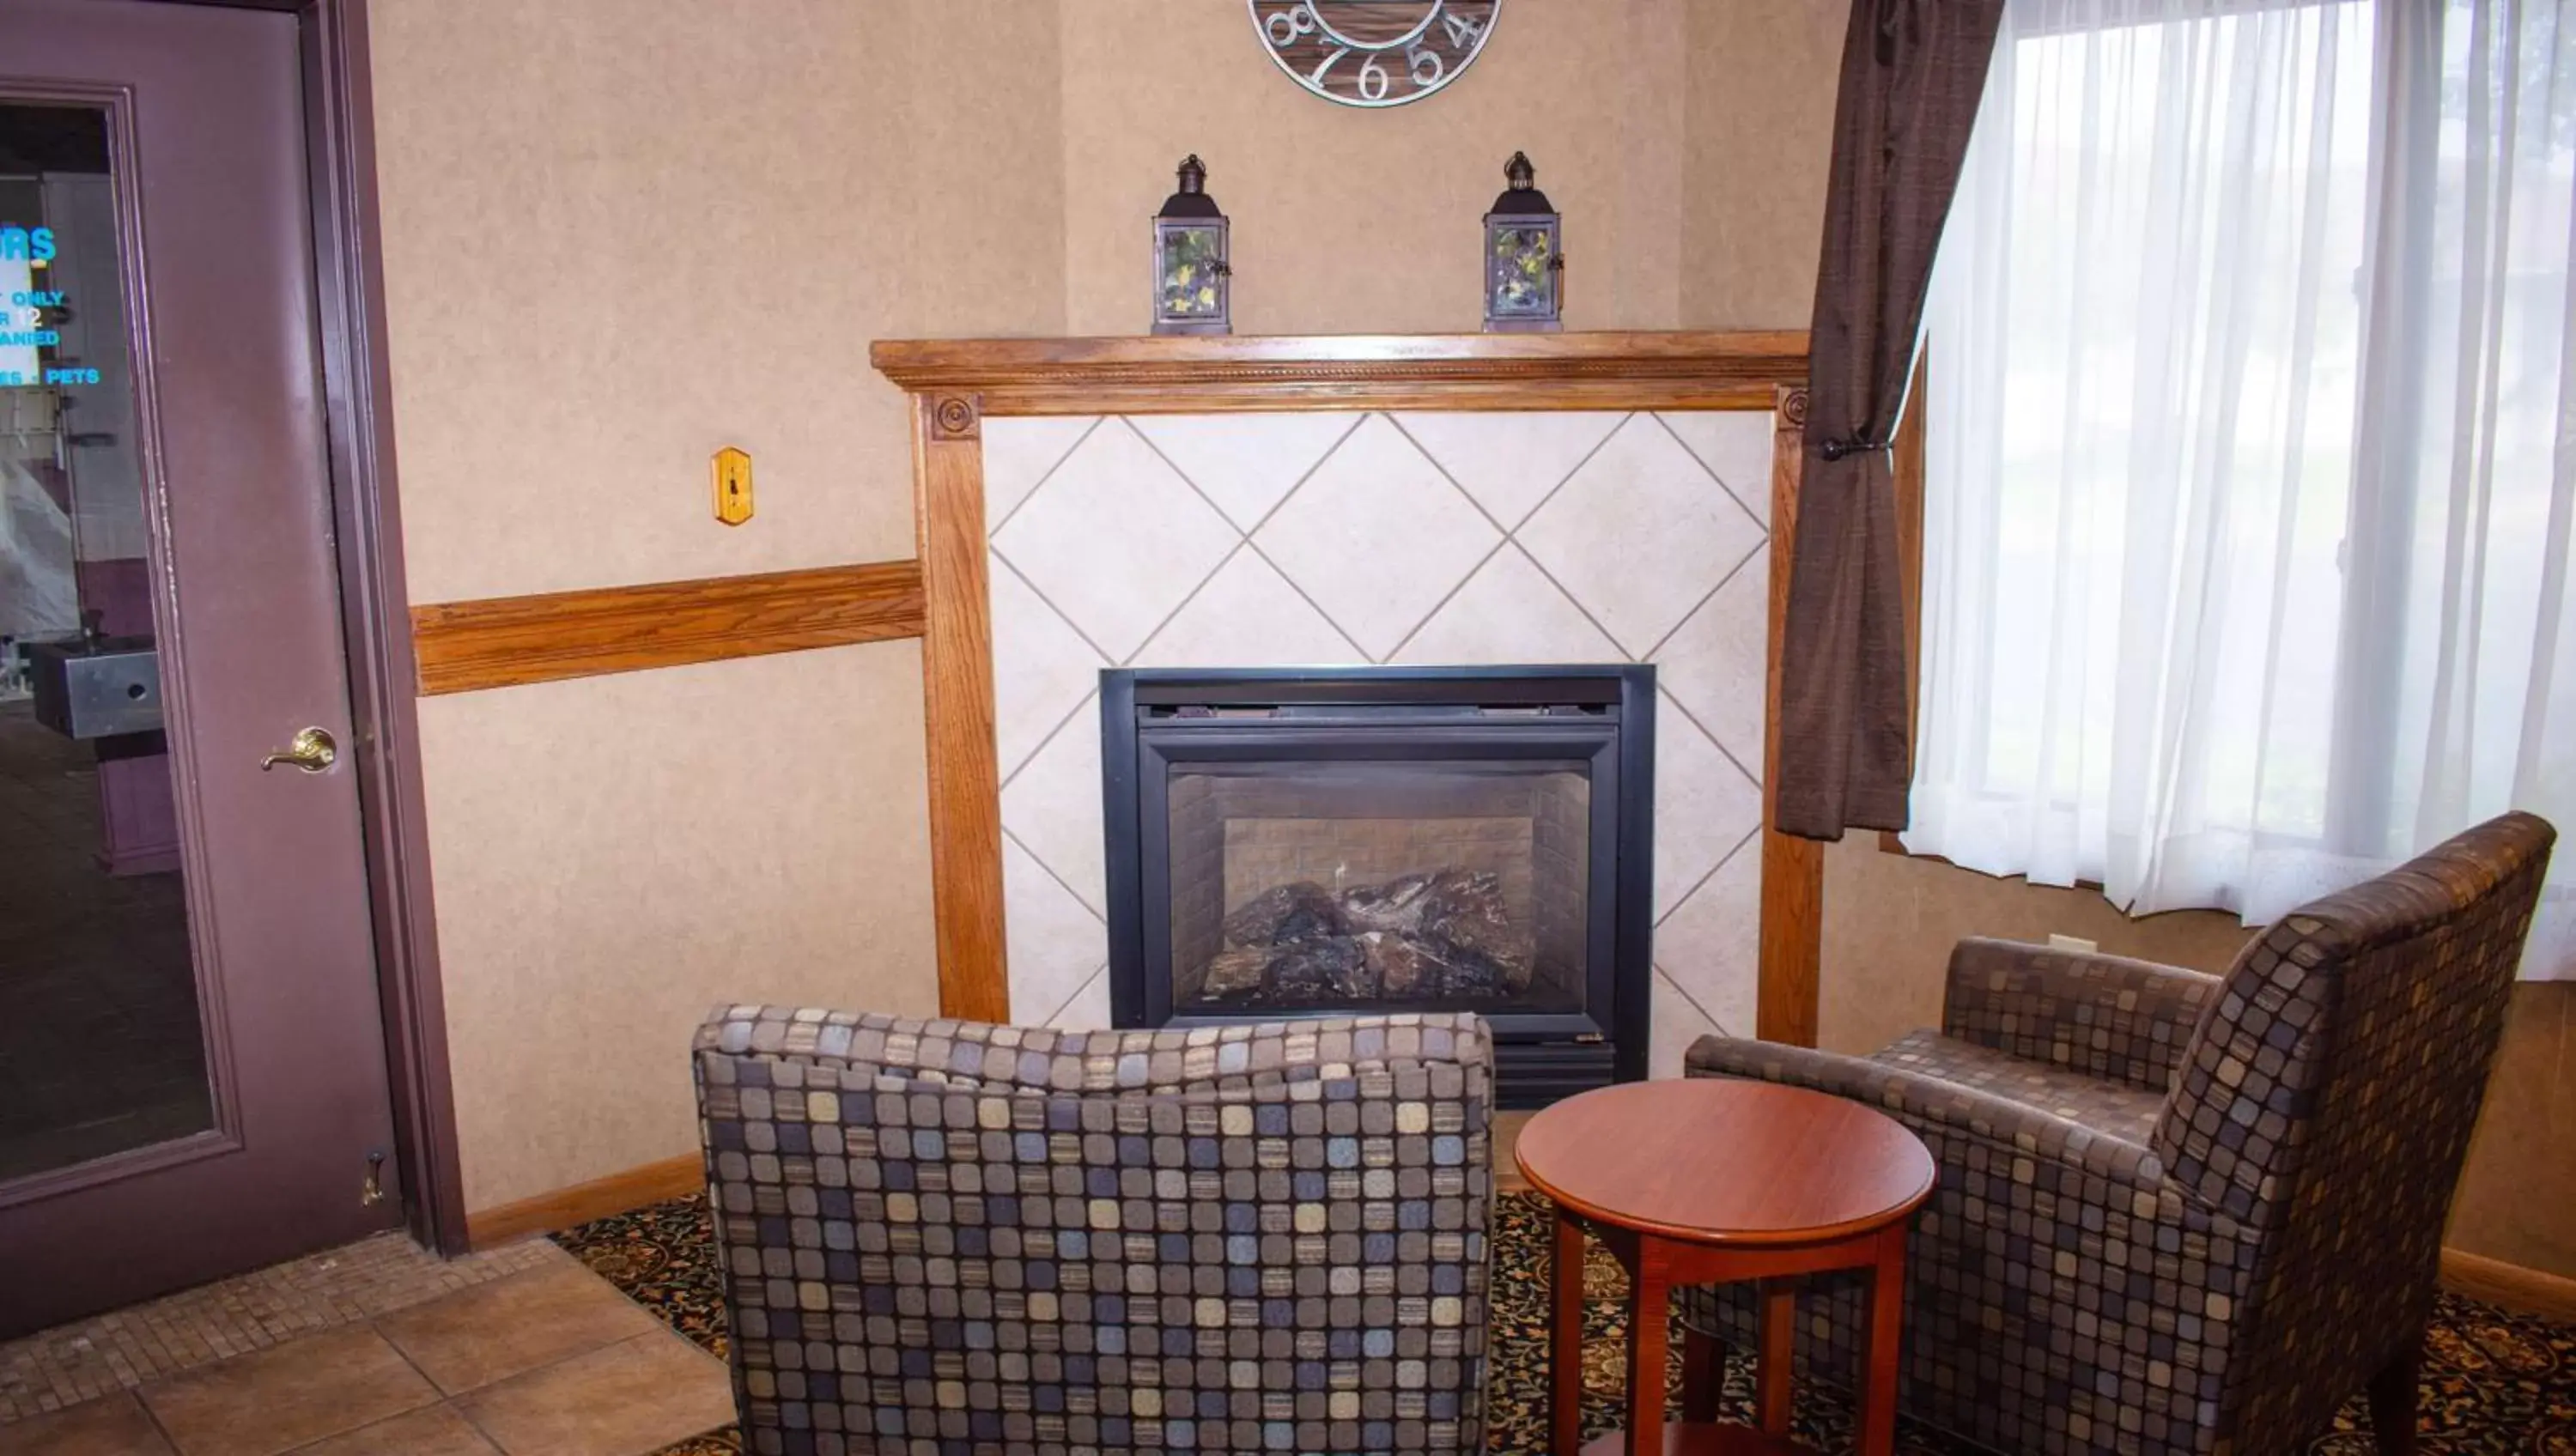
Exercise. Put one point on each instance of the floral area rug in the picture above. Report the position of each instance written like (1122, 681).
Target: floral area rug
(2496, 1384)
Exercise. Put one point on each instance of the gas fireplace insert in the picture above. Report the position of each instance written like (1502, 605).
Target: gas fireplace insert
(1320, 841)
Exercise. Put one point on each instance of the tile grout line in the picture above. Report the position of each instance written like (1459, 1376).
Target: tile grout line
(1684, 992)
(1710, 470)
(1713, 740)
(1514, 535)
(1187, 597)
(1241, 544)
(1327, 618)
(1711, 873)
(1360, 417)
(1577, 603)
(1499, 547)
(1731, 573)
(1544, 497)
(995, 528)
(1382, 659)
(1097, 972)
(1011, 835)
(1089, 697)
(152, 1416)
(1061, 615)
(1244, 541)
(476, 1426)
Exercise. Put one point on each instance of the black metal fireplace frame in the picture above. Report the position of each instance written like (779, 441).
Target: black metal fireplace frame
(1603, 715)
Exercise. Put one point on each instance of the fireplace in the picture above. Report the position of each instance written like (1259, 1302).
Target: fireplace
(1310, 842)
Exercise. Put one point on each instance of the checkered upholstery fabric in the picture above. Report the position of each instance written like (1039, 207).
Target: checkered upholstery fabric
(2104, 1018)
(942, 1237)
(2223, 1278)
(2125, 1112)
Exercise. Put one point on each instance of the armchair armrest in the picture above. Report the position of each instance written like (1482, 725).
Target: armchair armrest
(1962, 1125)
(2111, 1017)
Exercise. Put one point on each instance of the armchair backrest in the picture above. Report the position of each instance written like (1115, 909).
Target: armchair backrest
(2326, 1103)
(1242, 1238)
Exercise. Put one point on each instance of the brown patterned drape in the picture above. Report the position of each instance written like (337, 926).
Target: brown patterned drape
(1912, 73)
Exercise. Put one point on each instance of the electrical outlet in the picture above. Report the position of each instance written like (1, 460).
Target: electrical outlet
(2074, 943)
(733, 486)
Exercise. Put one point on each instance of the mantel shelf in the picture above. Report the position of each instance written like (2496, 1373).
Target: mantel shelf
(1190, 374)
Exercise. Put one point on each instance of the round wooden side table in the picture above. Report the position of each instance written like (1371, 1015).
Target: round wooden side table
(1707, 1181)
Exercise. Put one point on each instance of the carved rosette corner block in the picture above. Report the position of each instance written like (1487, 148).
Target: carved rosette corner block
(1793, 408)
(957, 417)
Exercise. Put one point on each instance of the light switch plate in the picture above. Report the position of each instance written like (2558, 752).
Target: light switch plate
(733, 486)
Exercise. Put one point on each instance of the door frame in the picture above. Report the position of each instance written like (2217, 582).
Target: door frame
(375, 606)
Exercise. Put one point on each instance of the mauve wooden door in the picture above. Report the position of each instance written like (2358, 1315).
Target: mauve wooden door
(204, 121)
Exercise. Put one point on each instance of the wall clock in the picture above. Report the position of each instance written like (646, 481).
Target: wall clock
(1374, 52)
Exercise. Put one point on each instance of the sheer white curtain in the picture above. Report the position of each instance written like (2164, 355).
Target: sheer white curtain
(2252, 473)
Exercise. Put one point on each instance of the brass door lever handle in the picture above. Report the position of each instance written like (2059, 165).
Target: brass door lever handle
(311, 750)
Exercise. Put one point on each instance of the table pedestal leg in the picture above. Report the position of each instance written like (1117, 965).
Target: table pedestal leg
(1565, 1339)
(1886, 1329)
(1703, 1374)
(1779, 1298)
(1650, 1321)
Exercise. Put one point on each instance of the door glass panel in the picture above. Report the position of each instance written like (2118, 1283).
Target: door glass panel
(102, 1049)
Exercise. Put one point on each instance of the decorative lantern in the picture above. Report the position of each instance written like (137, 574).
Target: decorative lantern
(1524, 257)
(1191, 279)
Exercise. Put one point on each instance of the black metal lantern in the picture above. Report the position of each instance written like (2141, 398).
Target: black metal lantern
(1191, 279)
(1524, 257)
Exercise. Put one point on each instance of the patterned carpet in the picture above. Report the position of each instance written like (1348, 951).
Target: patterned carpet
(2497, 1384)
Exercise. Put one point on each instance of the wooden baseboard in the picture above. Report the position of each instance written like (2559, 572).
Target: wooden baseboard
(568, 1207)
(2530, 1291)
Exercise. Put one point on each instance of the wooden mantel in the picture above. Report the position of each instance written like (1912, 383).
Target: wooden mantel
(1196, 374)
(954, 383)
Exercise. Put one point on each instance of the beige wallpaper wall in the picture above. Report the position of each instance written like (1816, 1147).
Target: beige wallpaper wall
(1677, 138)
(617, 237)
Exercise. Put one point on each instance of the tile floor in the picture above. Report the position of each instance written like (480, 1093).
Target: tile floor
(546, 1360)
(128, 1347)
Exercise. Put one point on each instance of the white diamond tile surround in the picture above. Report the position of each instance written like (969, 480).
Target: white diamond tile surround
(1249, 616)
(1053, 941)
(1114, 539)
(1640, 534)
(1022, 456)
(1508, 612)
(1336, 539)
(1735, 445)
(1509, 462)
(1041, 666)
(1245, 464)
(1377, 537)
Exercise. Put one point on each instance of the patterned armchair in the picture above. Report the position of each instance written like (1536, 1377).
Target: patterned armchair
(940, 1235)
(2176, 1212)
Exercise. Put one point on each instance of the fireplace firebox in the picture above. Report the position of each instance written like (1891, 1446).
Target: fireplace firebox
(1319, 841)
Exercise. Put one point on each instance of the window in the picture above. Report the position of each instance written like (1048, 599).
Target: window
(2247, 519)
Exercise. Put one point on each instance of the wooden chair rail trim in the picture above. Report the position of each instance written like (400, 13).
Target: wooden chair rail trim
(1148, 375)
(954, 383)
(508, 641)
